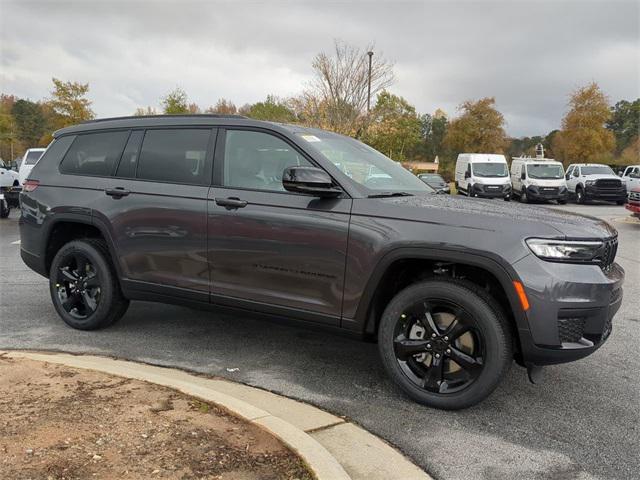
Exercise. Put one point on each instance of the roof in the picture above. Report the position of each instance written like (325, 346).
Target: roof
(159, 121)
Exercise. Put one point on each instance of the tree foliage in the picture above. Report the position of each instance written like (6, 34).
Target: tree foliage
(223, 107)
(625, 123)
(69, 102)
(337, 96)
(272, 109)
(395, 127)
(141, 112)
(30, 122)
(479, 128)
(583, 137)
(175, 102)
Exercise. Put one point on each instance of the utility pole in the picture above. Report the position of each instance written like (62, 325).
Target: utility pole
(369, 85)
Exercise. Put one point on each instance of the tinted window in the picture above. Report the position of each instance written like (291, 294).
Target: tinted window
(175, 156)
(32, 158)
(127, 166)
(94, 153)
(256, 160)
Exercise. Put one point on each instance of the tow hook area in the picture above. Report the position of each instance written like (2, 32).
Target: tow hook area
(535, 373)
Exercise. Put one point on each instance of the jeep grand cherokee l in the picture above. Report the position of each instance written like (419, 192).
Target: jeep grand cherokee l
(262, 217)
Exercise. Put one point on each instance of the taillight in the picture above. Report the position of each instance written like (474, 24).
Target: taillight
(30, 185)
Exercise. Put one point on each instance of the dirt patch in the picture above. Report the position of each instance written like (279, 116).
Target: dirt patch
(57, 422)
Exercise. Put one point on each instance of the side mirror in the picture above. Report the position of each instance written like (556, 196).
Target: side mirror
(467, 174)
(309, 180)
(523, 176)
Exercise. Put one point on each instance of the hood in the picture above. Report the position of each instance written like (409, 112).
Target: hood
(546, 182)
(492, 180)
(598, 176)
(493, 215)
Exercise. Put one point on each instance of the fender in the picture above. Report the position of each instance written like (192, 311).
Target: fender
(492, 263)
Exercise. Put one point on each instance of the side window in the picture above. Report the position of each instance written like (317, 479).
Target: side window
(256, 160)
(127, 166)
(175, 156)
(94, 153)
(576, 171)
(569, 172)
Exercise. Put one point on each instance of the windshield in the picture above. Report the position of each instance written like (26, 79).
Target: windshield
(597, 170)
(32, 158)
(365, 165)
(542, 171)
(489, 169)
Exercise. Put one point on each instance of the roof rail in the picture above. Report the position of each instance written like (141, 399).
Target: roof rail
(182, 115)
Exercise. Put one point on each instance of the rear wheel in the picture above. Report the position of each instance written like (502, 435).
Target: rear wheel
(84, 286)
(445, 343)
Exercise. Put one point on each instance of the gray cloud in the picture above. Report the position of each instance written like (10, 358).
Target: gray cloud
(529, 55)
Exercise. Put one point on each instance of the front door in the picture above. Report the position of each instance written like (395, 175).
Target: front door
(269, 249)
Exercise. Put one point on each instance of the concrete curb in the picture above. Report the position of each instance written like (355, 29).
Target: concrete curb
(333, 448)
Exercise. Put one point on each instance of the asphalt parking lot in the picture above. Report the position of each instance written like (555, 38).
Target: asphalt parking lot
(582, 422)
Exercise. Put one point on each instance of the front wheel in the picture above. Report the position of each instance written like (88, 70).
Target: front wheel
(579, 195)
(621, 202)
(562, 202)
(445, 343)
(84, 286)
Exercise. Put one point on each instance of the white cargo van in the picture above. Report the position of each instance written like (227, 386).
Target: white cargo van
(483, 175)
(538, 179)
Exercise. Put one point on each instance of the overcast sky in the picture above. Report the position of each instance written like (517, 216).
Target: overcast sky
(528, 54)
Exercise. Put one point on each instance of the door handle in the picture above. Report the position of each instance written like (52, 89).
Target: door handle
(231, 203)
(117, 192)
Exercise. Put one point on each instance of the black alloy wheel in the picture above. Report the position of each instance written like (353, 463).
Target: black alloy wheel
(445, 342)
(438, 346)
(78, 285)
(84, 285)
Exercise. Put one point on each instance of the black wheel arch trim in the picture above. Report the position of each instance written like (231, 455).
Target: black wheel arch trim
(492, 263)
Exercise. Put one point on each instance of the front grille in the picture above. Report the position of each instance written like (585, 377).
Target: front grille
(551, 191)
(608, 184)
(608, 253)
(635, 196)
(571, 329)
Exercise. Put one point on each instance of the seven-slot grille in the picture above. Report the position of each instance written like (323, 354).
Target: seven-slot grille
(608, 255)
(608, 183)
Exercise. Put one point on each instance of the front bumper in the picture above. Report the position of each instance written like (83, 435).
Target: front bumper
(571, 309)
(547, 193)
(491, 191)
(592, 192)
(633, 207)
(11, 195)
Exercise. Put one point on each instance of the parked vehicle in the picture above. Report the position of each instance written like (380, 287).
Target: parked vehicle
(592, 181)
(436, 182)
(228, 211)
(633, 204)
(483, 175)
(9, 189)
(30, 158)
(538, 179)
(631, 177)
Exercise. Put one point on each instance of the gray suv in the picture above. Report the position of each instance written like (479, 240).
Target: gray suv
(301, 223)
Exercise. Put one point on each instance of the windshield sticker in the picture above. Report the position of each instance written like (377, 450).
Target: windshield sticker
(310, 138)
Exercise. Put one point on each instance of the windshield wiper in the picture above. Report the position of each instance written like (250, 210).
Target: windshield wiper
(390, 194)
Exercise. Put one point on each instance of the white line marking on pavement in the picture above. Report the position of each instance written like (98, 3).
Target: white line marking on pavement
(17, 242)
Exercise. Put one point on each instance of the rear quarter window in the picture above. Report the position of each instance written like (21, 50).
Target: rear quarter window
(94, 154)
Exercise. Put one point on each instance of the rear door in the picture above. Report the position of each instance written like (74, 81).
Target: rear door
(156, 209)
(269, 249)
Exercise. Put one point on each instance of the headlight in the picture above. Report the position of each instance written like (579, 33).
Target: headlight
(590, 182)
(565, 251)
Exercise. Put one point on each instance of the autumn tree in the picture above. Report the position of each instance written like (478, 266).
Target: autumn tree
(69, 103)
(337, 96)
(175, 102)
(583, 137)
(395, 127)
(223, 107)
(30, 122)
(272, 109)
(479, 128)
(625, 123)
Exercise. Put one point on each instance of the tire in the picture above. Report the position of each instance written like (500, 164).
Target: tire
(580, 196)
(507, 198)
(101, 303)
(5, 210)
(621, 202)
(490, 333)
(562, 202)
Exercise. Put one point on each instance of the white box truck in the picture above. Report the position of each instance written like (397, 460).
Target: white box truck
(483, 175)
(538, 179)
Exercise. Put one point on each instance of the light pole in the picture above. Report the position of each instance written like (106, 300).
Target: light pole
(369, 84)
